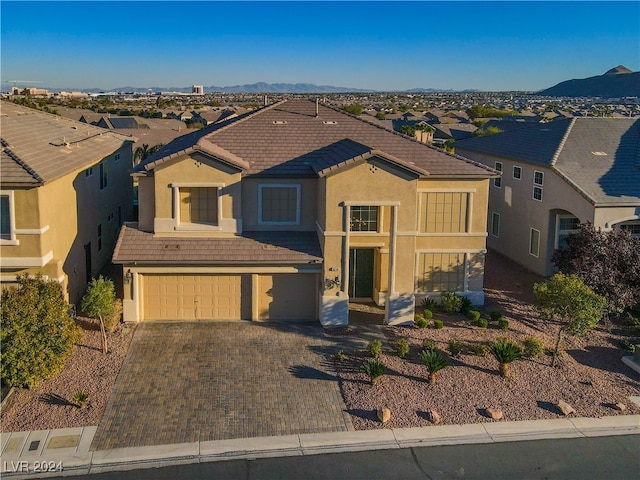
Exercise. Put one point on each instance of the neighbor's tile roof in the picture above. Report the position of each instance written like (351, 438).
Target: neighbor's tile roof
(598, 156)
(282, 139)
(134, 245)
(49, 146)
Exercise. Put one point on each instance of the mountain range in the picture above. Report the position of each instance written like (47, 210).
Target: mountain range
(615, 83)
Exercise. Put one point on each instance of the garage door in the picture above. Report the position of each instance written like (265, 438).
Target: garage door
(192, 297)
(286, 296)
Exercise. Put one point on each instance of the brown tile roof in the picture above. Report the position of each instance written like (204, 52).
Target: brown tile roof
(49, 146)
(283, 139)
(249, 248)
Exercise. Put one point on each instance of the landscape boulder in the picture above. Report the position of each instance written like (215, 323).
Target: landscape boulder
(384, 414)
(433, 416)
(565, 408)
(494, 413)
(621, 407)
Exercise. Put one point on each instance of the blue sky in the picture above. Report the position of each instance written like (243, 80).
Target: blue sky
(375, 45)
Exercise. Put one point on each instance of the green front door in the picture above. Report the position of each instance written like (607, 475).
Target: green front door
(361, 272)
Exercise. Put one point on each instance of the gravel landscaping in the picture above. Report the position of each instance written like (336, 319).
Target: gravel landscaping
(589, 374)
(50, 403)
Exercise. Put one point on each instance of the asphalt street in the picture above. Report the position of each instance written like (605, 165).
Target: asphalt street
(610, 458)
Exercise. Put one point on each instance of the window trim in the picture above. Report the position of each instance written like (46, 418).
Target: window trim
(493, 216)
(497, 182)
(88, 172)
(536, 255)
(116, 158)
(379, 209)
(12, 239)
(559, 217)
(541, 184)
(519, 169)
(262, 186)
(104, 175)
(533, 195)
(188, 226)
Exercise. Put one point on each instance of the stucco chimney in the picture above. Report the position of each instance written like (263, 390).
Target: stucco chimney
(317, 102)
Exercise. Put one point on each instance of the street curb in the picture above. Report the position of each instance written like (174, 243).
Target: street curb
(134, 458)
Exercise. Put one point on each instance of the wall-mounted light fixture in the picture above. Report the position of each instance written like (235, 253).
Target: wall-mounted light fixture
(330, 283)
(128, 277)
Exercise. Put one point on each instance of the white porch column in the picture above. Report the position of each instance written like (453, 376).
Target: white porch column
(393, 228)
(345, 249)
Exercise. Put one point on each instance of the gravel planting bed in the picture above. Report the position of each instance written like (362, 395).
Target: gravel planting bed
(50, 404)
(589, 375)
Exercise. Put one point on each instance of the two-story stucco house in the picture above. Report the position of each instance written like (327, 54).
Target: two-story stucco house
(288, 212)
(554, 177)
(65, 190)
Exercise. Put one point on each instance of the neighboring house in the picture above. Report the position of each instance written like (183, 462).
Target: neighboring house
(452, 131)
(557, 175)
(290, 211)
(65, 191)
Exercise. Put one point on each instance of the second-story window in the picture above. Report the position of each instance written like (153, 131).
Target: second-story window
(5, 217)
(497, 182)
(104, 176)
(364, 219)
(199, 205)
(279, 204)
(444, 212)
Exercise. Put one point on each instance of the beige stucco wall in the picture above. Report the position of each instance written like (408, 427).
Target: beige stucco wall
(67, 212)
(195, 169)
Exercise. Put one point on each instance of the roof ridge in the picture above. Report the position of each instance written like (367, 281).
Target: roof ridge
(554, 159)
(242, 118)
(20, 162)
(439, 150)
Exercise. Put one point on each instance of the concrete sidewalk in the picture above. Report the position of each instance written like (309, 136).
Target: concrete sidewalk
(66, 452)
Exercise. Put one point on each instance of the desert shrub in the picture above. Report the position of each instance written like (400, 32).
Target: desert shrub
(532, 347)
(402, 347)
(627, 346)
(482, 323)
(37, 334)
(427, 314)
(503, 323)
(455, 348)
(450, 302)
(495, 315)
(466, 305)
(81, 398)
(438, 324)
(428, 344)
(428, 304)
(112, 320)
(479, 349)
(375, 369)
(421, 322)
(505, 351)
(375, 348)
(341, 356)
(473, 315)
(434, 362)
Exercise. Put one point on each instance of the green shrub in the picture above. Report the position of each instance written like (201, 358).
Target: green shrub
(495, 315)
(434, 362)
(341, 356)
(482, 323)
(375, 348)
(438, 324)
(421, 322)
(375, 369)
(428, 304)
(479, 349)
(112, 320)
(473, 315)
(466, 305)
(505, 351)
(532, 347)
(427, 314)
(37, 334)
(627, 346)
(450, 302)
(455, 348)
(428, 344)
(81, 398)
(503, 324)
(402, 347)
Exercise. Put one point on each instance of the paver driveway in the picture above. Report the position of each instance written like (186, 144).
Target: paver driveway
(188, 381)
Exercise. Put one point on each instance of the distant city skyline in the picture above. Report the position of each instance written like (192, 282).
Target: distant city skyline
(384, 46)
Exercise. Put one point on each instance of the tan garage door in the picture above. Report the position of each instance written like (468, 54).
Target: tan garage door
(192, 297)
(288, 296)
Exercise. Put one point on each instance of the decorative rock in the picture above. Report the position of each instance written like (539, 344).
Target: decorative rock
(384, 415)
(433, 417)
(565, 408)
(621, 407)
(494, 413)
